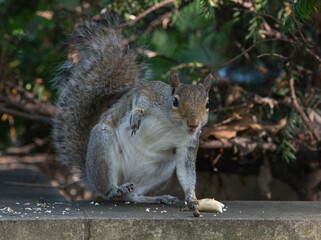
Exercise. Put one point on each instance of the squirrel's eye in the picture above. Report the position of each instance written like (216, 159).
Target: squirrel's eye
(207, 104)
(175, 102)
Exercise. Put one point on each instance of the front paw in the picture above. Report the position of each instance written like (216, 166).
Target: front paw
(190, 204)
(190, 201)
(135, 120)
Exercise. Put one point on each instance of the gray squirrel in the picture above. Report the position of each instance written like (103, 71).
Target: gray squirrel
(126, 136)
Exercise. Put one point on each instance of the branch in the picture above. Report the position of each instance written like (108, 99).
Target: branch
(28, 148)
(145, 13)
(270, 32)
(33, 185)
(260, 14)
(151, 26)
(245, 52)
(33, 104)
(217, 144)
(284, 59)
(247, 5)
(34, 159)
(296, 23)
(151, 54)
(300, 110)
(34, 117)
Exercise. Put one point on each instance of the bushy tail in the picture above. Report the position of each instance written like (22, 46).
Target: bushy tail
(99, 69)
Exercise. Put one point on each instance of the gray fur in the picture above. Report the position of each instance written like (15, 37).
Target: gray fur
(125, 137)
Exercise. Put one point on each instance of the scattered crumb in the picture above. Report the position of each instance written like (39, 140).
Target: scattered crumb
(96, 204)
(164, 211)
(196, 213)
(26, 204)
(92, 202)
(6, 210)
(147, 210)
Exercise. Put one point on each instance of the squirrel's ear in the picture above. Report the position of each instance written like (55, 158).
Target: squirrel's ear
(174, 80)
(207, 82)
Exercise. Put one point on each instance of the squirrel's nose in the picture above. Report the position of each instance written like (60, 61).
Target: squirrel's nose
(193, 122)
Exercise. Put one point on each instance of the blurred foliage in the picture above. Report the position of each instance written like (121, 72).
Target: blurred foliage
(196, 37)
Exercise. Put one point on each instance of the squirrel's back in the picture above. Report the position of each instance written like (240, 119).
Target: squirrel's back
(99, 70)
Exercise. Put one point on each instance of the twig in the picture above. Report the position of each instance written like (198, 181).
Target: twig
(296, 23)
(245, 52)
(34, 117)
(28, 148)
(33, 104)
(248, 58)
(230, 108)
(284, 58)
(151, 54)
(33, 185)
(217, 144)
(35, 159)
(145, 13)
(151, 26)
(217, 158)
(295, 43)
(272, 54)
(28, 107)
(300, 110)
(247, 5)
(260, 14)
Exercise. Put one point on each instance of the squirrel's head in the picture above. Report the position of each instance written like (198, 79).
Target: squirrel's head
(190, 104)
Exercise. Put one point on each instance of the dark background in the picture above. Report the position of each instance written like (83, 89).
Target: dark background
(263, 136)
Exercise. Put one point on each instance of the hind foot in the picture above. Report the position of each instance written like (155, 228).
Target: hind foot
(117, 191)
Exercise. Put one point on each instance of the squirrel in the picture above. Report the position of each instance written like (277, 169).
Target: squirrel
(126, 136)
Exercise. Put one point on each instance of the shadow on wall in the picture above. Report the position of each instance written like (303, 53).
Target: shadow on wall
(230, 186)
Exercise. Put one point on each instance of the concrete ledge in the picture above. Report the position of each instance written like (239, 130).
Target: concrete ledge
(117, 220)
(42, 213)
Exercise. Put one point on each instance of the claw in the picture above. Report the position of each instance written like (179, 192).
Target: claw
(135, 120)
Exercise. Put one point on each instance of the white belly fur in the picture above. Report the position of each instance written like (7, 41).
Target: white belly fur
(148, 157)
